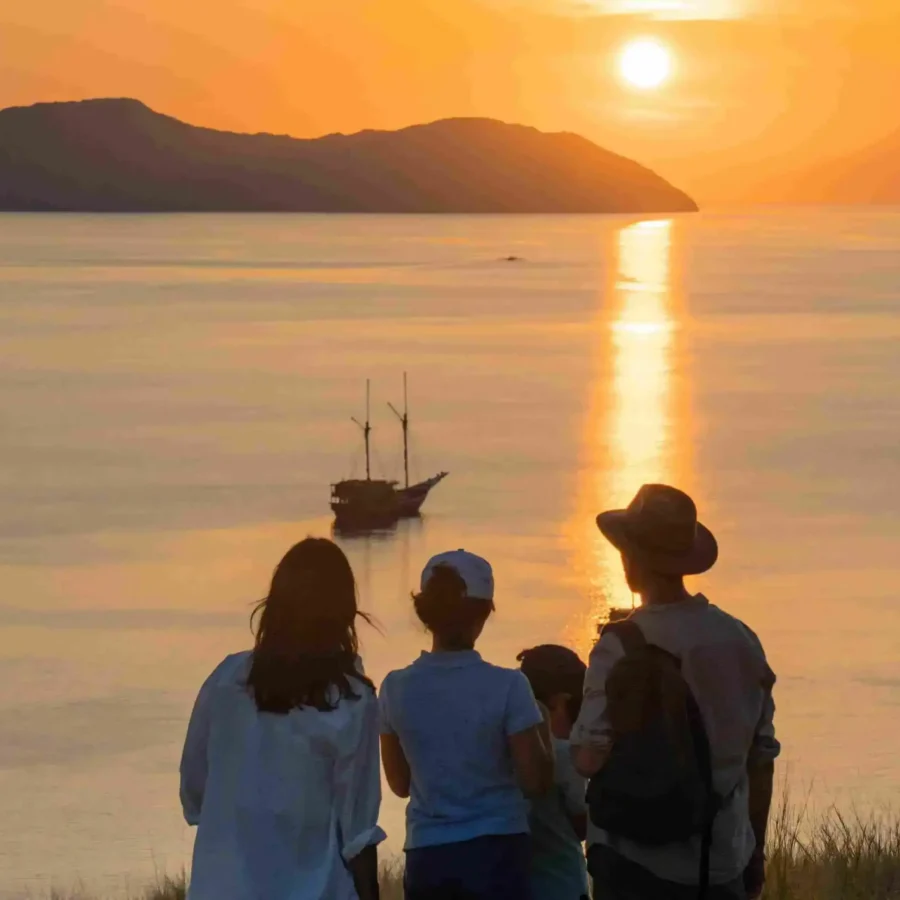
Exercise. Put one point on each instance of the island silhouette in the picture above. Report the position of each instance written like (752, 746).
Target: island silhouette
(118, 155)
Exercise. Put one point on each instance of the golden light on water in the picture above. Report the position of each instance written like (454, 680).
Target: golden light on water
(630, 437)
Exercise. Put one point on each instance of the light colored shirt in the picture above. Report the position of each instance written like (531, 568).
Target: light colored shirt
(724, 664)
(558, 870)
(281, 802)
(454, 714)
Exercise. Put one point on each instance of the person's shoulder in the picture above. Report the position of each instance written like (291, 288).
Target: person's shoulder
(361, 698)
(502, 676)
(361, 683)
(735, 625)
(233, 668)
(500, 682)
(395, 678)
(509, 693)
(610, 646)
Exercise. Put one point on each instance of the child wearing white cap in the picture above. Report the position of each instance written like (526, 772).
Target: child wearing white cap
(464, 740)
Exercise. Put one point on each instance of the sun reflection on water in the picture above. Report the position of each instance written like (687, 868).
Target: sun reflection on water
(629, 434)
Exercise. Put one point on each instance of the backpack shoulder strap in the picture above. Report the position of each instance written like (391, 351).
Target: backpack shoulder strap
(629, 633)
(703, 753)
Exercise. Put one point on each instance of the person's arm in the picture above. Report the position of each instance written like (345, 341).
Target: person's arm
(591, 738)
(364, 869)
(532, 761)
(762, 782)
(528, 736)
(761, 777)
(194, 764)
(589, 759)
(579, 826)
(358, 797)
(573, 788)
(396, 766)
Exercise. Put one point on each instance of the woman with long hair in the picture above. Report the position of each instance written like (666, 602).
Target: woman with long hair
(280, 771)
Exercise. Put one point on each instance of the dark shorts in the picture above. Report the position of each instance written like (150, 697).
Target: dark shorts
(617, 878)
(487, 868)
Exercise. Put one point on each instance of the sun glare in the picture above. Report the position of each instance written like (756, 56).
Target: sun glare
(645, 64)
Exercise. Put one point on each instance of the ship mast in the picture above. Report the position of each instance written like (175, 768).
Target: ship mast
(366, 429)
(404, 421)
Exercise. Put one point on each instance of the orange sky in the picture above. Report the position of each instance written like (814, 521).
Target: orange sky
(759, 86)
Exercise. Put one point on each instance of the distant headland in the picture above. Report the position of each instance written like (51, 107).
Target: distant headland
(118, 155)
(867, 176)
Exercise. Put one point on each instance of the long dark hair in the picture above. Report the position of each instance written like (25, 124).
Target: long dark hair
(445, 609)
(306, 642)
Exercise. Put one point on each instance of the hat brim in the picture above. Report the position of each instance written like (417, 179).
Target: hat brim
(700, 558)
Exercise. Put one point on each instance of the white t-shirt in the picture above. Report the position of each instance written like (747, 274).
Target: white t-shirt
(281, 802)
(725, 666)
(454, 714)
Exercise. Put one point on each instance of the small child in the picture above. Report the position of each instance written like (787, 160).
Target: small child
(463, 739)
(559, 817)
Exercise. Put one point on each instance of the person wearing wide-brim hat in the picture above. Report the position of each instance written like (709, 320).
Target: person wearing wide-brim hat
(724, 665)
(658, 534)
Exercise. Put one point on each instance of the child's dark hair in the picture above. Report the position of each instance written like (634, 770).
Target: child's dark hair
(552, 670)
(448, 612)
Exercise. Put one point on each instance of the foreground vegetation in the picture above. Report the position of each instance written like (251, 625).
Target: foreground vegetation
(833, 857)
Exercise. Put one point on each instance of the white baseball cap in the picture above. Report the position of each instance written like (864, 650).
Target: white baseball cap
(474, 571)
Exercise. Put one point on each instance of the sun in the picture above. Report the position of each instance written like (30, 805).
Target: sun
(645, 64)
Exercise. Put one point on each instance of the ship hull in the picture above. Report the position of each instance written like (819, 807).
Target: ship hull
(403, 503)
(410, 500)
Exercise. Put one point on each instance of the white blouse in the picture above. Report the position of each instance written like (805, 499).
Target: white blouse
(281, 802)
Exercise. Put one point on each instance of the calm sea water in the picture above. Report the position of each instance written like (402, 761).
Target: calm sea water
(176, 395)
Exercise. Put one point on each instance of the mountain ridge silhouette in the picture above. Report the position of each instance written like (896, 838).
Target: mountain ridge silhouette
(117, 154)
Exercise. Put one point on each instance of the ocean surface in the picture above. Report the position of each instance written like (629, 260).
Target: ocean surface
(175, 399)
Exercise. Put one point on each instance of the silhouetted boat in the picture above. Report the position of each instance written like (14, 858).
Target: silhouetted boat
(360, 504)
(619, 614)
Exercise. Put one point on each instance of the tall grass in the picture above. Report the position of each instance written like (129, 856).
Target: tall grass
(828, 857)
(166, 888)
(392, 880)
(832, 857)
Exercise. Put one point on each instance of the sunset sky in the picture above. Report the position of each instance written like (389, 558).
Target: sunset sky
(757, 88)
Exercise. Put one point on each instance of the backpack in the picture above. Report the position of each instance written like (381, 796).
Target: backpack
(656, 786)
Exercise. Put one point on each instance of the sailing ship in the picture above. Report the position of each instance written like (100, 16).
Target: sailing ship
(373, 503)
